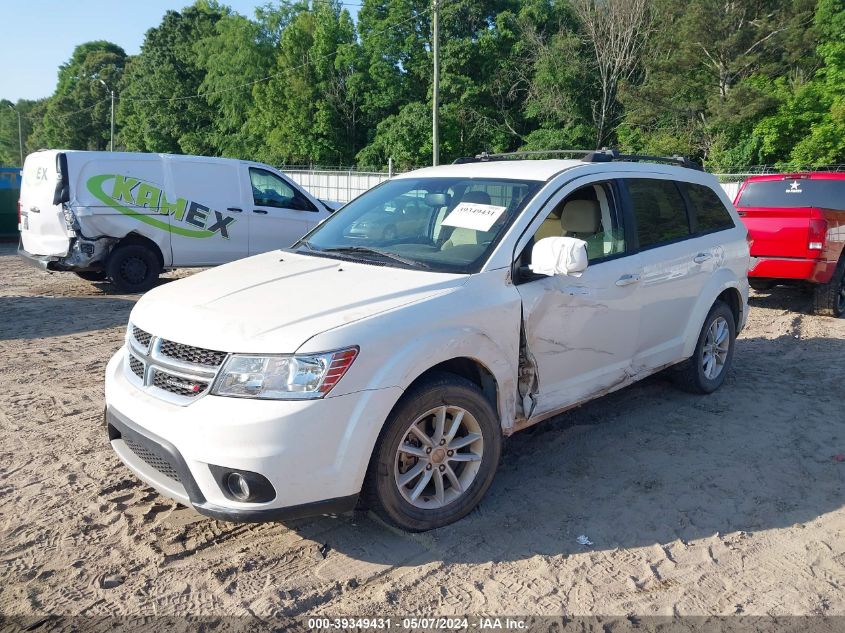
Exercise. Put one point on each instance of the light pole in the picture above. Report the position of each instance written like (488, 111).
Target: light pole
(435, 96)
(20, 133)
(111, 92)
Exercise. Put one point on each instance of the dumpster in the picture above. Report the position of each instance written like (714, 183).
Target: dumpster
(10, 191)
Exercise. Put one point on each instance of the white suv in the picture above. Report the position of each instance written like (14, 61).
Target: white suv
(387, 365)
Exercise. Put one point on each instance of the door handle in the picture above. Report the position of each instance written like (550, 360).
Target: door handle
(702, 257)
(261, 211)
(627, 280)
(234, 209)
(34, 210)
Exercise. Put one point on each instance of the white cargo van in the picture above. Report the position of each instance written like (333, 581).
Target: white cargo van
(126, 216)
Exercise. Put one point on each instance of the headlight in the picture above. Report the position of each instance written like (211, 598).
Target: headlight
(286, 377)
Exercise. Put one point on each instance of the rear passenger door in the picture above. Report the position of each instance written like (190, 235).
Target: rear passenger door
(675, 265)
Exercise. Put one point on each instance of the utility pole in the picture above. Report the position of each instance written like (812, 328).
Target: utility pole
(111, 92)
(20, 133)
(435, 117)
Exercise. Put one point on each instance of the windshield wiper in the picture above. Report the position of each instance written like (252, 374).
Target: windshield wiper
(374, 251)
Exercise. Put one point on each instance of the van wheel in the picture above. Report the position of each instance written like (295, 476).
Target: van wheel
(133, 268)
(829, 298)
(706, 370)
(91, 275)
(436, 456)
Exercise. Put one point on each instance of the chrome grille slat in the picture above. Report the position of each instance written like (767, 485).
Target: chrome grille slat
(191, 354)
(181, 386)
(172, 371)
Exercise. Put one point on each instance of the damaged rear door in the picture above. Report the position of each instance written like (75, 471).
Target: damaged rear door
(580, 333)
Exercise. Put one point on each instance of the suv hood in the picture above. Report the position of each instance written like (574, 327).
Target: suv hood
(275, 302)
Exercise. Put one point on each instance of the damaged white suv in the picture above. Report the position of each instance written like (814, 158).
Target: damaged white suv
(384, 357)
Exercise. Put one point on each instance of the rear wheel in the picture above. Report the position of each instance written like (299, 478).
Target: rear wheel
(706, 370)
(133, 268)
(436, 456)
(91, 275)
(829, 298)
(761, 285)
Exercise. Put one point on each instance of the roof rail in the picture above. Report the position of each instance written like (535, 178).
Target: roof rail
(603, 155)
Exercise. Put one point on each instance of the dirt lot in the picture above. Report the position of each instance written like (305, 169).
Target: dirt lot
(731, 503)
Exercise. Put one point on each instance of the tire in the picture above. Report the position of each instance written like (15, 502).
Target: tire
(436, 504)
(91, 275)
(697, 375)
(829, 298)
(133, 268)
(760, 285)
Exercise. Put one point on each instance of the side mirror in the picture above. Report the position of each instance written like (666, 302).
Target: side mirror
(559, 256)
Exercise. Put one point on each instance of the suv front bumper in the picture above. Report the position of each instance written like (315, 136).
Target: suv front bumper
(314, 452)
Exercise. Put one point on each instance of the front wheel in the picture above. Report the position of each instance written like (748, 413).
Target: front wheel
(133, 268)
(706, 370)
(436, 456)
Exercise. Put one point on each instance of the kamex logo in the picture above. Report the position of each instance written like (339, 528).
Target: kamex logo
(128, 195)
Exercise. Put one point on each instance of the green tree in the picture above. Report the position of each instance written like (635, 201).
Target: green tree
(78, 115)
(32, 112)
(308, 111)
(708, 75)
(158, 109)
(808, 128)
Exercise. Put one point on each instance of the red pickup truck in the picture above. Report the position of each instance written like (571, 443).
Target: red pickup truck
(797, 224)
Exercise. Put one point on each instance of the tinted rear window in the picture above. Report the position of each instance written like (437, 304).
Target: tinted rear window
(710, 212)
(827, 194)
(659, 210)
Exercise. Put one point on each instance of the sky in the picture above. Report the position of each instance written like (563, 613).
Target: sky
(36, 36)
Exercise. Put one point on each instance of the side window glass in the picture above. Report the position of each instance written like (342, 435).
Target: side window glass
(711, 214)
(268, 190)
(590, 214)
(659, 210)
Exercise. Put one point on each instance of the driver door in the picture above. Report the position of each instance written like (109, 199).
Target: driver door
(279, 214)
(582, 332)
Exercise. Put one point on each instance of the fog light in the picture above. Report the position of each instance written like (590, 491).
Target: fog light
(243, 485)
(238, 486)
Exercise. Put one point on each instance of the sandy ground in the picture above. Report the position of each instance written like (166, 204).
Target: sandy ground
(725, 504)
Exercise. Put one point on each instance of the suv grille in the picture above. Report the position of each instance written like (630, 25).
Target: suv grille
(152, 459)
(142, 337)
(136, 366)
(187, 387)
(191, 354)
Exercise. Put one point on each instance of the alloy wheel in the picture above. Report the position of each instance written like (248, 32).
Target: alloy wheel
(717, 344)
(439, 457)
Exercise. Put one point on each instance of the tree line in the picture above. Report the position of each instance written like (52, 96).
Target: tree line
(733, 84)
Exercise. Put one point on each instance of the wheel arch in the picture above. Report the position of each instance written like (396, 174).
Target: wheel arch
(141, 240)
(722, 286)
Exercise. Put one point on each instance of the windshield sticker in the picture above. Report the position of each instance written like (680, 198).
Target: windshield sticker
(470, 215)
(794, 187)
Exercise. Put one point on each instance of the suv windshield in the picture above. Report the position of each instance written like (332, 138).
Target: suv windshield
(441, 224)
(793, 193)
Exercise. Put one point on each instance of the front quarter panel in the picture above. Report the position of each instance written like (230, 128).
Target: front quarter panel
(479, 320)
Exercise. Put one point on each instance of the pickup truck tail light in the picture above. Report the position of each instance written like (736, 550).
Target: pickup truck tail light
(817, 235)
